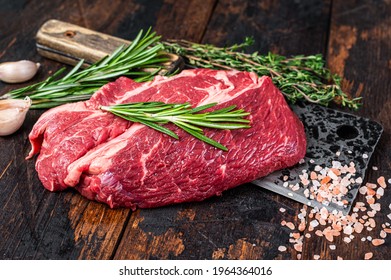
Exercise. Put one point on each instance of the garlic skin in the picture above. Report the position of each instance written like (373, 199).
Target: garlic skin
(18, 71)
(12, 114)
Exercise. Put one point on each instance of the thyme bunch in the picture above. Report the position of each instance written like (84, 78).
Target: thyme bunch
(298, 77)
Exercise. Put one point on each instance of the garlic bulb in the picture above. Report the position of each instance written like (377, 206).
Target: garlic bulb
(12, 114)
(18, 71)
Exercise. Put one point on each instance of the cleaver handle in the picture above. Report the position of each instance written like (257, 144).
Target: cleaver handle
(69, 43)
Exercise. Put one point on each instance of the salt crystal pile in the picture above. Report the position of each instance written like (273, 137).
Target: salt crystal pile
(328, 185)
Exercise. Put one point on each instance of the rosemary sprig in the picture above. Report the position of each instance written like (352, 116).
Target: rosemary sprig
(145, 51)
(155, 114)
(298, 77)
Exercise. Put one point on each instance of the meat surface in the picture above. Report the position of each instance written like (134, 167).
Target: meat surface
(126, 164)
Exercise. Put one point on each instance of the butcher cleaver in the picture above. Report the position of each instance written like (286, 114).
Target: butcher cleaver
(332, 135)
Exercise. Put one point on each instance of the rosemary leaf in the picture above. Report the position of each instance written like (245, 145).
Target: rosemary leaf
(191, 120)
(207, 106)
(188, 126)
(204, 138)
(73, 71)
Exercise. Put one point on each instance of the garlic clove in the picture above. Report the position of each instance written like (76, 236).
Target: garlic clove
(18, 71)
(12, 114)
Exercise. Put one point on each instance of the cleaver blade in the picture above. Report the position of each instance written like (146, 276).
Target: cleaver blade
(332, 135)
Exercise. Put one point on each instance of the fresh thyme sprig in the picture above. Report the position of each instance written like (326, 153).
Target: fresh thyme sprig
(298, 77)
(154, 114)
(145, 51)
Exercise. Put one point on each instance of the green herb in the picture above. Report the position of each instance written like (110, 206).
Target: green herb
(144, 52)
(298, 77)
(154, 114)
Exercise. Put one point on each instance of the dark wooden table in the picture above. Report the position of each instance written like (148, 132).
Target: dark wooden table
(244, 223)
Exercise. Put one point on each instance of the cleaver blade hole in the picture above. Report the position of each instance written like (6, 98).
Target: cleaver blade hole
(347, 132)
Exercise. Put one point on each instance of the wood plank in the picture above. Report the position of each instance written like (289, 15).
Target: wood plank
(62, 225)
(359, 50)
(237, 225)
(25, 205)
(184, 19)
(245, 222)
(287, 29)
(35, 223)
(293, 40)
(95, 227)
(123, 19)
(284, 28)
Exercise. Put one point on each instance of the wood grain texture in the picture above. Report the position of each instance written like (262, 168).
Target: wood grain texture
(25, 206)
(184, 19)
(237, 225)
(69, 43)
(244, 223)
(359, 50)
(38, 224)
(75, 42)
(287, 28)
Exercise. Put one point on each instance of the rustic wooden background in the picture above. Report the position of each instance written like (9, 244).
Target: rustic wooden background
(354, 36)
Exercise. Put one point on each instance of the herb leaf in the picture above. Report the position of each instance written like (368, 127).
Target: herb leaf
(79, 84)
(154, 114)
(298, 77)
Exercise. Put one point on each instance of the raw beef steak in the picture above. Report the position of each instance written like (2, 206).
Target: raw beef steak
(127, 164)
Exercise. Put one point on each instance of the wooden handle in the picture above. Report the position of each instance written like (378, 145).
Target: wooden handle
(69, 43)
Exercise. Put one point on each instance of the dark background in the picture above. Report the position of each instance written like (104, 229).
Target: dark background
(354, 37)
